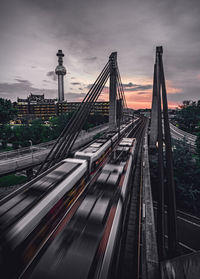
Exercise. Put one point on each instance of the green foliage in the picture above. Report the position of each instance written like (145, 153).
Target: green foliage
(188, 117)
(7, 111)
(97, 136)
(12, 179)
(186, 176)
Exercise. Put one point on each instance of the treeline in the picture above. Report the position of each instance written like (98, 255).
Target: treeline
(186, 162)
(37, 131)
(188, 117)
(187, 177)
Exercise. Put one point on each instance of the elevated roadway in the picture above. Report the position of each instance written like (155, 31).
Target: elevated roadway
(25, 158)
(179, 134)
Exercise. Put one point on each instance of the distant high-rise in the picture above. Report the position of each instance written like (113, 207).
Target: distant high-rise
(60, 71)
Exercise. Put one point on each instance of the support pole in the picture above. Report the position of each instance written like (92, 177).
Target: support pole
(113, 91)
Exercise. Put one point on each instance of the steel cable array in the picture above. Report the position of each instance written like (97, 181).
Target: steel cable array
(67, 138)
(64, 143)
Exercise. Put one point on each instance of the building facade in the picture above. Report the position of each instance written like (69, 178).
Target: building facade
(36, 106)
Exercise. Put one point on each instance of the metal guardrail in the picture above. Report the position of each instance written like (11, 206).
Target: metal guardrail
(150, 264)
(183, 133)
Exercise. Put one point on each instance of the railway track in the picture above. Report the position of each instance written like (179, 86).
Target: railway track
(129, 257)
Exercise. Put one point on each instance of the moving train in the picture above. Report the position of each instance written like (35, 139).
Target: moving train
(86, 245)
(30, 214)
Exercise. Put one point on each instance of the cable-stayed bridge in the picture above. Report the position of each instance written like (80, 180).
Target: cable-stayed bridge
(89, 213)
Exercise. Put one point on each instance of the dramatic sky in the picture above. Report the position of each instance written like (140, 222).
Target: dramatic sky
(31, 32)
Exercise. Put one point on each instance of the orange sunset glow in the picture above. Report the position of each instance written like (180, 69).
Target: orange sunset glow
(137, 98)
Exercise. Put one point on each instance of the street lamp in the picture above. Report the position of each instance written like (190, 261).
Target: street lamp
(31, 147)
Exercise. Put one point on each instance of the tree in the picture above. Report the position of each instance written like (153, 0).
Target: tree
(186, 175)
(7, 111)
(188, 117)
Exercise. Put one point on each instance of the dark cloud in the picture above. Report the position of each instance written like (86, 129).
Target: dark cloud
(91, 59)
(22, 89)
(143, 93)
(75, 83)
(24, 82)
(89, 86)
(87, 30)
(130, 84)
(52, 75)
(136, 87)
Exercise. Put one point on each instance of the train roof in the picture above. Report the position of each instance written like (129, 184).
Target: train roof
(127, 142)
(110, 174)
(26, 209)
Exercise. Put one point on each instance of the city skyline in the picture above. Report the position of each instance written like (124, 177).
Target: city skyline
(87, 32)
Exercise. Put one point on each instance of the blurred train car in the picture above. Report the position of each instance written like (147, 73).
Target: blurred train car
(36, 205)
(95, 152)
(29, 215)
(86, 246)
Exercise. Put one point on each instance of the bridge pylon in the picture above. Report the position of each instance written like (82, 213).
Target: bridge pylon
(154, 112)
(113, 91)
(165, 163)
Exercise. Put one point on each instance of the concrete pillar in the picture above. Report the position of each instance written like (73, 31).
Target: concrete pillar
(154, 109)
(113, 91)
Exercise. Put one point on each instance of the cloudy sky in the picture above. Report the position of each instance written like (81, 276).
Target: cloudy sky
(31, 32)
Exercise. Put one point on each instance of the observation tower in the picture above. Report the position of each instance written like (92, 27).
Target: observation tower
(60, 71)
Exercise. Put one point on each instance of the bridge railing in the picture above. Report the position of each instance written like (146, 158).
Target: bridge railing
(186, 134)
(150, 264)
